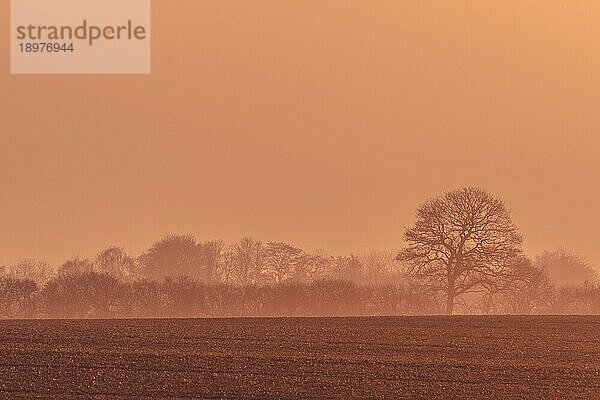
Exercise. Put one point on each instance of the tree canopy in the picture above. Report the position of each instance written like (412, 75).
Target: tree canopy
(462, 241)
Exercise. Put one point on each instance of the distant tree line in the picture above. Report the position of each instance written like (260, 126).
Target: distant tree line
(181, 277)
(462, 255)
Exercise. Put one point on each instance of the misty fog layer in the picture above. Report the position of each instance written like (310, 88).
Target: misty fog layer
(463, 255)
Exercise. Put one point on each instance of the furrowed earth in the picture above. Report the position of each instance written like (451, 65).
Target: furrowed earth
(405, 357)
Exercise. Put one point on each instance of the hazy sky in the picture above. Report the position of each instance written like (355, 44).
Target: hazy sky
(320, 123)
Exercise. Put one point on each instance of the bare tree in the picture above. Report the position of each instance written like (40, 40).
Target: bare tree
(226, 273)
(248, 258)
(281, 260)
(83, 295)
(30, 269)
(76, 266)
(380, 266)
(16, 297)
(116, 262)
(212, 253)
(174, 256)
(461, 242)
(566, 268)
(347, 268)
(528, 290)
(311, 267)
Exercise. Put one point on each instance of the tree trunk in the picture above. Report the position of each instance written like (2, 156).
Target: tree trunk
(450, 301)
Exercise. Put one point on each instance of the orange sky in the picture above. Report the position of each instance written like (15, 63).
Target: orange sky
(321, 123)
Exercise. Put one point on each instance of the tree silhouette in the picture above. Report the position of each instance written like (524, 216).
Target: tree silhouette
(174, 256)
(347, 268)
(380, 266)
(212, 254)
(115, 261)
(281, 260)
(565, 268)
(461, 242)
(84, 295)
(312, 267)
(37, 271)
(16, 297)
(527, 290)
(76, 266)
(249, 259)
